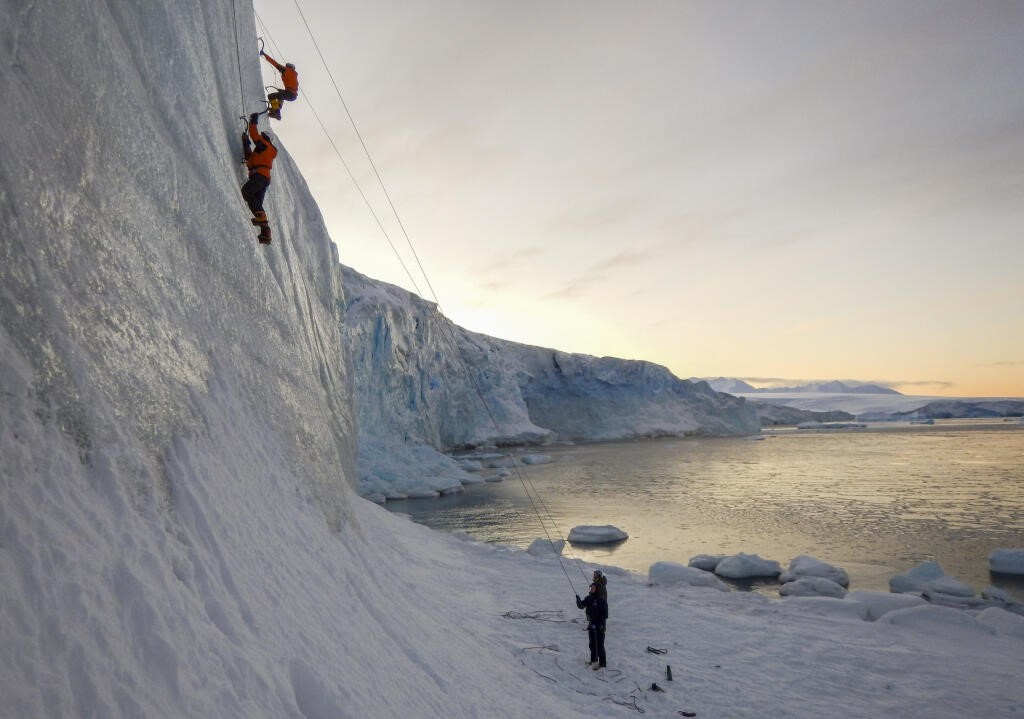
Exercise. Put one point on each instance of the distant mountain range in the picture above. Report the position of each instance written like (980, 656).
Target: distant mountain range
(733, 385)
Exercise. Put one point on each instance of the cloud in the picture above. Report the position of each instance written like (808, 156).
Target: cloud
(599, 273)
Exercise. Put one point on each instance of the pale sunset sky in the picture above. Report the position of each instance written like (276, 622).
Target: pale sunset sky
(786, 191)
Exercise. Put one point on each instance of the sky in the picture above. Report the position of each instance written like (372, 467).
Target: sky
(777, 191)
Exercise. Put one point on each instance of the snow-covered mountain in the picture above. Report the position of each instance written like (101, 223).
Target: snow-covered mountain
(741, 387)
(425, 386)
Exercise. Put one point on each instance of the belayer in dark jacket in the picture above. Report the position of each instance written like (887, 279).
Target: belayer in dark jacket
(597, 615)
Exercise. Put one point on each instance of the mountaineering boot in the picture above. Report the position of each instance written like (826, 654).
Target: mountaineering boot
(275, 109)
(259, 218)
(264, 236)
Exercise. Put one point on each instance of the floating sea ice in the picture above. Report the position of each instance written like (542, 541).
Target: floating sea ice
(707, 562)
(596, 534)
(670, 573)
(747, 566)
(804, 566)
(543, 547)
(1006, 561)
(812, 587)
(916, 579)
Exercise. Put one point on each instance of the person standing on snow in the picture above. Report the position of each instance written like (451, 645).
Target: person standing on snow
(597, 614)
(290, 79)
(259, 158)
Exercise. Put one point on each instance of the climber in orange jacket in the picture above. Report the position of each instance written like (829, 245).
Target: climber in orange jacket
(290, 78)
(259, 158)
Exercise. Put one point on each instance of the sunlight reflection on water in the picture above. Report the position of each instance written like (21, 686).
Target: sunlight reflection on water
(874, 501)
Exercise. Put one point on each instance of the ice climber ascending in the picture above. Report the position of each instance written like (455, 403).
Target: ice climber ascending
(259, 158)
(290, 78)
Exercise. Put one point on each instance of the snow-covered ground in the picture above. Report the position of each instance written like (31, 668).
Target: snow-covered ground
(179, 530)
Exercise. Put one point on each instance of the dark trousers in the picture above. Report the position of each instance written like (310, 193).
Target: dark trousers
(596, 634)
(282, 95)
(253, 191)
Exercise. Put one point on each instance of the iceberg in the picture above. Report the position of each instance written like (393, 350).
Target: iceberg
(1006, 561)
(916, 579)
(596, 534)
(811, 586)
(747, 566)
(804, 566)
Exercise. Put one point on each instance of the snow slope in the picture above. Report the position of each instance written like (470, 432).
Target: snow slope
(179, 535)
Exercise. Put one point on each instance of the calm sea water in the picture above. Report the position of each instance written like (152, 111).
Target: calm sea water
(874, 501)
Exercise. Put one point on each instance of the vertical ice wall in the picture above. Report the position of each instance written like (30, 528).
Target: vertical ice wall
(132, 285)
(175, 425)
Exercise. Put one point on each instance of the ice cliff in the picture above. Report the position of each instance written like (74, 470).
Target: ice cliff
(425, 387)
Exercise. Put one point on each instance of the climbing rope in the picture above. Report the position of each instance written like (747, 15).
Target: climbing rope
(307, 100)
(529, 488)
(238, 54)
(366, 151)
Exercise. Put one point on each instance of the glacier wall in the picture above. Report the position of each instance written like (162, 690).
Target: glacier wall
(425, 387)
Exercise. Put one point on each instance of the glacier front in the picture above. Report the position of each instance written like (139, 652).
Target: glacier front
(425, 387)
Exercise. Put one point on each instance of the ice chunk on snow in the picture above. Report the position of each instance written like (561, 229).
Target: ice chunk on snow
(669, 573)
(543, 547)
(917, 578)
(804, 566)
(824, 607)
(1007, 561)
(949, 586)
(812, 587)
(707, 562)
(880, 603)
(944, 622)
(596, 534)
(536, 459)
(747, 566)
(1004, 622)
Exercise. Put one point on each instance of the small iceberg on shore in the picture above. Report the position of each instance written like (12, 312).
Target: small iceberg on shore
(804, 566)
(673, 573)
(747, 566)
(707, 562)
(1006, 561)
(542, 547)
(596, 534)
(812, 587)
(929, 580)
